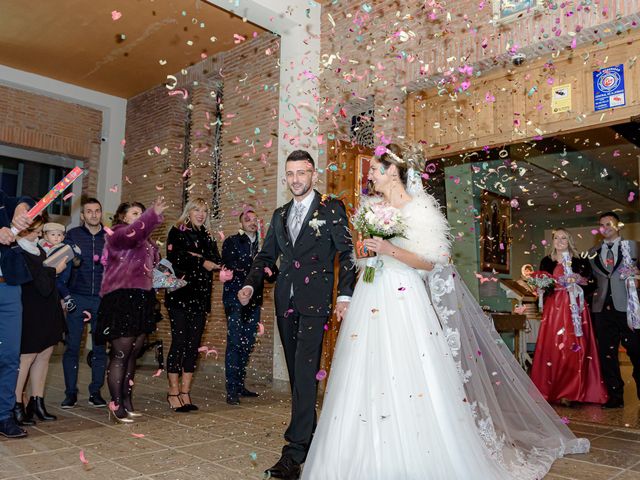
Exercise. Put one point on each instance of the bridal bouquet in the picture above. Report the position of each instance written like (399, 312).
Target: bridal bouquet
(380, 220)
(540, 281)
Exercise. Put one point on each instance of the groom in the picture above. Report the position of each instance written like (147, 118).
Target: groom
(305, 235)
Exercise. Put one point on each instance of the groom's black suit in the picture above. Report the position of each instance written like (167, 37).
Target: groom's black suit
(308, 266)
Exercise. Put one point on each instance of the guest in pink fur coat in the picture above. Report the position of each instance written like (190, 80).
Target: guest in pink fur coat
(125, 315)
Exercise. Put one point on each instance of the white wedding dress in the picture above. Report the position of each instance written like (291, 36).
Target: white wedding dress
(401, 403)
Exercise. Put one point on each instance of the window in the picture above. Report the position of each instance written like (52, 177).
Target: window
(32, 174)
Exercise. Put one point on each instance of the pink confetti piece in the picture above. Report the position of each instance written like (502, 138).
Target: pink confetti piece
(260, 329)
(208, 351)
(238, 38)
(226, 275)
(520, 309)
(321, 375)
(83, 459)
(380, 150)
(309, 75)
(180, 91)
(116, 15)
(578, 208)
(87, 316)
(137, 435)
(631, 197)
(212, 351)
(565, 420)
(67, 196)
(268, 271)
(158, 373)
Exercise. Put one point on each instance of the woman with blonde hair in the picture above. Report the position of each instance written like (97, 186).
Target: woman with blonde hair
(194, 255)
(565, 367)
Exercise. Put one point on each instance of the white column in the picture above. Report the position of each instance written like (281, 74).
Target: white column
(298, 24)
(114, 116)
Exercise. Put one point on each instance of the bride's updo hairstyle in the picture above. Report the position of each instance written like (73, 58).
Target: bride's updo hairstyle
(403, 159)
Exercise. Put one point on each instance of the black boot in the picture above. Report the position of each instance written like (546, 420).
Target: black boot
(21, 417)
(36, 405)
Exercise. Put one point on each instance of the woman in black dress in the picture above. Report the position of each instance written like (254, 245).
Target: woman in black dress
(194, 256)
(43, 325)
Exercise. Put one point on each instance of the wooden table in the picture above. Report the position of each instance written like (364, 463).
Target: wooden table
(512, 322)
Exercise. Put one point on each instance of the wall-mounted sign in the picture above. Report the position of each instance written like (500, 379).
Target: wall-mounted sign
(608, 88)
(509, 10)
(561, 98)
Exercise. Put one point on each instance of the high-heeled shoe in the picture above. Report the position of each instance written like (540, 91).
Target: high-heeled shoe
(182, 408)
(132, 414)
(189, 405)
(36, 405)
(21, 417)
(117, 419)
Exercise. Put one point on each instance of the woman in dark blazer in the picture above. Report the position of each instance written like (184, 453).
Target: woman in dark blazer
(194, 255)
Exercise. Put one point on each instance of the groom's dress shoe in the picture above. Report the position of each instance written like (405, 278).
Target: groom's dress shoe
(285, 468)
(248, 393)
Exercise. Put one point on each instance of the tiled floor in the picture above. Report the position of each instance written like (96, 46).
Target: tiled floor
(223, 442)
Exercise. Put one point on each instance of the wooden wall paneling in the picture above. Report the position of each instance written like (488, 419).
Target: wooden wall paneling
(480, 122)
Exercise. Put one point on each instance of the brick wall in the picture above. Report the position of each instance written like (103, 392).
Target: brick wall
(156, 154)
(37, 122)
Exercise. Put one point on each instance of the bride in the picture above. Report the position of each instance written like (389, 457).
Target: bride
(421, 385)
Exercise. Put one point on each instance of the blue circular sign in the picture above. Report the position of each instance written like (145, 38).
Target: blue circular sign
(609, 81)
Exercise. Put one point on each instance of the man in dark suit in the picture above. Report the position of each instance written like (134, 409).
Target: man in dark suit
(609, 307)
(238, 252)
(306, 234)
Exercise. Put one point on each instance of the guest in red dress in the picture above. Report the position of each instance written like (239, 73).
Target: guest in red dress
(566, 366)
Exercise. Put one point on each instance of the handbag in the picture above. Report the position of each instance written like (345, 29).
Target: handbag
(165, 277)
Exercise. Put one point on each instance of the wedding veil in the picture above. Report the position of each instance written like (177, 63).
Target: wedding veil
(522, 431)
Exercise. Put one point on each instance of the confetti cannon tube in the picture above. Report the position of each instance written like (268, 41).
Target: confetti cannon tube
(54, 193)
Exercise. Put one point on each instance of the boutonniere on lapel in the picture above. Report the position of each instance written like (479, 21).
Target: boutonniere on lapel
(316, 224)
